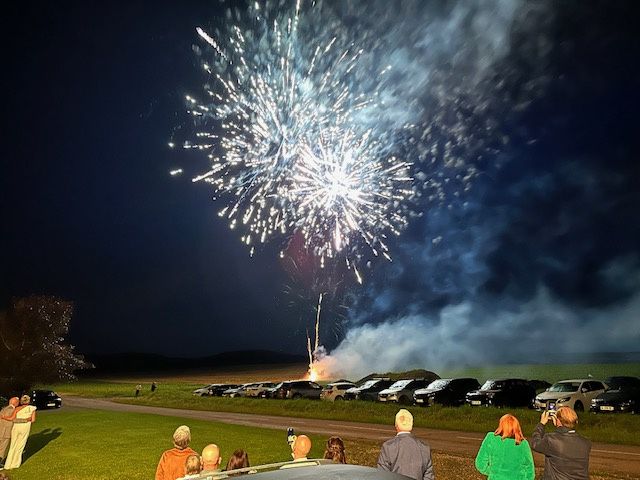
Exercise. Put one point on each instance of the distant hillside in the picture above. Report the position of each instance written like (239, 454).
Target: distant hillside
(149, 362)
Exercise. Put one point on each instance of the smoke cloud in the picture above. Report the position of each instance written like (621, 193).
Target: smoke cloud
(538, 254)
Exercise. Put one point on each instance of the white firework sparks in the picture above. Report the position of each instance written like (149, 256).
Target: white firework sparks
(286, 149)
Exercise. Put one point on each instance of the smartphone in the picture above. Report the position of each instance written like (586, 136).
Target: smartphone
(290, 435)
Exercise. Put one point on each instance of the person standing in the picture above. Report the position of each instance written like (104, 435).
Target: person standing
(566, 453)
(505, 454)
(335, 450)
(6, 426)
(23, 416)
(172, 462)
(154, 385)
(211, 459)
(138, 388)
(405, 454)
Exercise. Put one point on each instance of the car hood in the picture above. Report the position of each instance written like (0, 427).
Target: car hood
(554, 395)
(618, 395)
(387, 391)
(422, 391)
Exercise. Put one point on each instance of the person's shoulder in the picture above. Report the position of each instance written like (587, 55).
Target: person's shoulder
(392, 441)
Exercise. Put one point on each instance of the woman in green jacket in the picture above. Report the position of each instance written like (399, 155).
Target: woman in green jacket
(505, 454)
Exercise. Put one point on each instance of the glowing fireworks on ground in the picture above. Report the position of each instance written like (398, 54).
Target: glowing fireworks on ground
(282, 125)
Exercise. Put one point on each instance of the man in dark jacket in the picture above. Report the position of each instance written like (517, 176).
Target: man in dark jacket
(566, 454)
(405, 454)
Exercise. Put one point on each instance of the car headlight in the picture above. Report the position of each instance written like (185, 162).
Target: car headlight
(491, 395)
(596, 400)
(627, 403)
(562, 400)
(393, 396)
(538, 399)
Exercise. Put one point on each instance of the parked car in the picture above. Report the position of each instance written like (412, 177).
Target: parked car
(214, 389)
(402, 391)
(506, 392)
(236, 391)
(44, 399)
(446, 391)
(218, 389)
(335, 391)
(296, 389)
(256, 389)
(576, 394)
(368, 390)
(202, 391)
(622, 395)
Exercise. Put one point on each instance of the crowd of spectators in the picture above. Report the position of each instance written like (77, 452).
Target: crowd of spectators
(504, 454)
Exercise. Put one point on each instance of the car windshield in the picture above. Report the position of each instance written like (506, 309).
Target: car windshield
(368, 384)
(491, 385)
(400, 384)
(438, 384)
(623, 383)
(565, 387)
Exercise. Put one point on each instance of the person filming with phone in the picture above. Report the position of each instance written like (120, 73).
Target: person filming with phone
(566, 453)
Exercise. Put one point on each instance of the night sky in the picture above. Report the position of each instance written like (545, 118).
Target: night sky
(548, 235)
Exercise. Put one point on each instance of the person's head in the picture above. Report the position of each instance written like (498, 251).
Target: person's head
(182, 437)
(565, 417)
(301, 447)
(25, 400)
(211, 457)
(14, 401)
(404, 421)
(193, 466)
(509, 427)
(238, 459)
(335, 450)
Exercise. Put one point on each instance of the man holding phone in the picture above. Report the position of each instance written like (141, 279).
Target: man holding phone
(566, 453)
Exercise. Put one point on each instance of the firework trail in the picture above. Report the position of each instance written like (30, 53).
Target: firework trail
(315, 353)
(281, 122)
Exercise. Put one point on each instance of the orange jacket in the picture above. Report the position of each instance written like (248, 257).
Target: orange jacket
(172, 464)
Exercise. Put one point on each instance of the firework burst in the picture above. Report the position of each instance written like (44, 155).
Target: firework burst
(281, 122)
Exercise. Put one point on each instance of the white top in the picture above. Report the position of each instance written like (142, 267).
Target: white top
(25, 412)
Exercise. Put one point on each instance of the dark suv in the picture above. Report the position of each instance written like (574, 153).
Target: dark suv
(446, 391)
(297, 389)
(623, 395)
(368, 390)
(44, 399)
(507, 392)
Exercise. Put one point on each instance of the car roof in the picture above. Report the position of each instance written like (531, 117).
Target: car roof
(325, 471)
(580, 380)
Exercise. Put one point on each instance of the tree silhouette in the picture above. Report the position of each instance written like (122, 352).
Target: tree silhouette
(32, 343)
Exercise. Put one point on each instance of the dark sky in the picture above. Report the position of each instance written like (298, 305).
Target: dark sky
(91, 214)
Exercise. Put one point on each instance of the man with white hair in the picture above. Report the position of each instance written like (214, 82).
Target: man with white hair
(172, 463)
(405, 454)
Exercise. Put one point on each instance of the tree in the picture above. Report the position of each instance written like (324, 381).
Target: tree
(32, 343)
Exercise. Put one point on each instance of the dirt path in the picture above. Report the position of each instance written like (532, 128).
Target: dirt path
(622, 459)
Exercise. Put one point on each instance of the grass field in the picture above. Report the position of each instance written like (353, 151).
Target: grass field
(621, 429)
(97, 445)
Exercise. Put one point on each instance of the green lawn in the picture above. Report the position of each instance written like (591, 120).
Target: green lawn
(621, 429)
(85, 444)
(93, 444)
